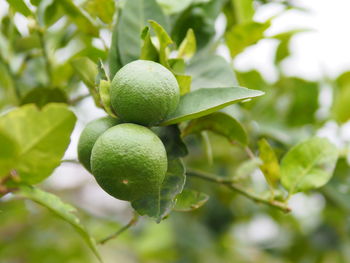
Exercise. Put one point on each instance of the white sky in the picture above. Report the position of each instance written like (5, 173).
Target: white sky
(324, 51)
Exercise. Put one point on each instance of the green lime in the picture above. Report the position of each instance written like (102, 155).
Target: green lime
(144, 92)
(129, 161)
(89, 136)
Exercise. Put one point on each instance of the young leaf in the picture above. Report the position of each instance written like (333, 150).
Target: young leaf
(158, 206)
(42, 136)
(43, 96)
(133, 19)
(164, 42)
(220, 123)
(61, 209)
(49, 12)
(244, 10)
(308, 165)
(340, 107)
(148, 50)
(244, 35)
(188, 46)
(8, 153)
(20, 6)
(206, 101)
(87, 71)
(105, 97)
(114, 60)
(270, 166)
(103, 9)
(210, 71)
(207, 147)
(171, 138)
(102, 73)
(184, 82)
(190, 200)
(80, 18)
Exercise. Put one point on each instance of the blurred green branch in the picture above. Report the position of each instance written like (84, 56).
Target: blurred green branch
(231, 184)
(132, 222)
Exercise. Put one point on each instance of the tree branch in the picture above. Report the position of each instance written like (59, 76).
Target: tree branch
(132, 222)
(240, 189)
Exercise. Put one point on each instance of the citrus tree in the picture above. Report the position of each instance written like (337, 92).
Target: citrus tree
(191, 143)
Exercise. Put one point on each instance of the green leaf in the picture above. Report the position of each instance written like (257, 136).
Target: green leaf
(244, 10)
(42, 135)
(211, 71)
(49, 12)
(173, 7)
(106, 98)
(160, 205)
(86, 69)
(239, 37)
(24, 44)
(103, 9)
(102, 74)
(190, 200)
(171, 138)
(81, 19)
(308, 165)
(201, 18)
(188, 46)
(148, 50)
(114, 59)
(164, 42)
(270, 166)
(177, 65)
(63, 210)
(283, 51)
(133, 20)
(206, 101)
(302, 100)
(88, 72)
(340, 107)
(220, 123)
(20, 6)
(184, 82)
(8, 153)
(42, 96)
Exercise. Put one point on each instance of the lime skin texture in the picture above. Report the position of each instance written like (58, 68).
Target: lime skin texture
(144, 92)
(129, 162)
(89, 136)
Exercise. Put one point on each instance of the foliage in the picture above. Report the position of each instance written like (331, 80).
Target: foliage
(234, 138)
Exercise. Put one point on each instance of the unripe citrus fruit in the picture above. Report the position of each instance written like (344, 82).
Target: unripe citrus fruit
(144, 92)
(89, 136)
(129, 161)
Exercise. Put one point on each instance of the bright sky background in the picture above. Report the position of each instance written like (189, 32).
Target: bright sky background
(324, 51)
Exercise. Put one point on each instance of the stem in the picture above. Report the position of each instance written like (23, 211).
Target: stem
(249, 152)
(240, 189)
(78, 99)
(132, 222)
(74, 161)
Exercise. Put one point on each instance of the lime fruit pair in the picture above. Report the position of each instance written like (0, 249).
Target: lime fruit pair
(128, 160)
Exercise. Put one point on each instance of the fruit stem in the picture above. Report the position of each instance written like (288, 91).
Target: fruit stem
(132, 222)
(240, 189)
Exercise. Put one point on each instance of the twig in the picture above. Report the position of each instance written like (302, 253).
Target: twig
(132, 222)
(240, 189)
(249, 152)
(78, 99)
(74, 161)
